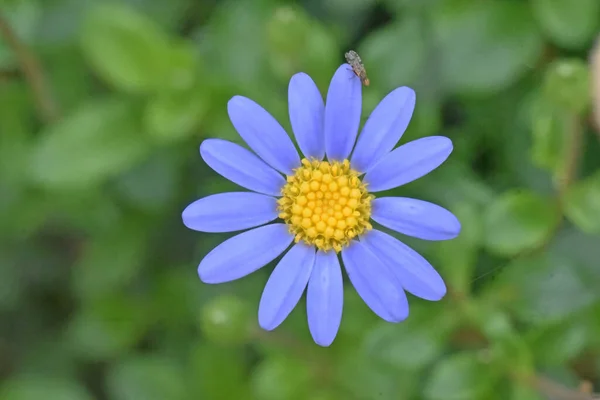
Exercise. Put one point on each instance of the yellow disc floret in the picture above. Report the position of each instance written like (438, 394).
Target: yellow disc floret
(325, 204)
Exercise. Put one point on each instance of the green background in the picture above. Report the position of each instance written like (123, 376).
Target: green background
(103, 106)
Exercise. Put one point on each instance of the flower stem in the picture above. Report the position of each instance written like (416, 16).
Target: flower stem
(557, 391)
(32, 71)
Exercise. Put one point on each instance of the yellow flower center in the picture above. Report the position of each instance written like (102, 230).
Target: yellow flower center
(325, 204)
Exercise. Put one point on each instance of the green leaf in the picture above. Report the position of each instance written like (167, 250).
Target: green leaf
(507, 347)
(398, 6)
(549, 124)
(298, 43)
(16, 116)
(358, 319)
(223, 372)
(49, 357)
(108, 327)
(458, 377)
(395, 54)
(97, 141)
(520, 391)
(547, 288)
(170, 13)
(110, 261)
(90, 210)
(567, 84)
(494, 323)
(146, 378)
(126, 49)
(518, 221)
(175, 298)
(60, 24)
(569, 23)
(235, 26)
(412, 344)
(279, 378)
(39, 387)
(457, 258)
(564, 375)
(11, 285)
(23, 17)
(579, 247)
(348, 16)
(593, 326)
(16, 125)
(182, 67)
(153, 184)
(455, 183)
(324, 394)
(427, 119)
(556, 344)
(174, 116)
(582, 204)
(69, 76)
(361, 378)
(485, 46)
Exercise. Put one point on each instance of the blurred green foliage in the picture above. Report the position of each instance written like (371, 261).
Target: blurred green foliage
(103, 105)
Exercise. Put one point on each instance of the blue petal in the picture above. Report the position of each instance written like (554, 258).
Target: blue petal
(263, 134)
(228, 212)
(241, 166)
(384, 128)
(325, 298)
(306, 115)
(285, 286)
(342, 113)
(416, 218)
(244, 253)
(412, 270)
(375, 283)
(408, 162)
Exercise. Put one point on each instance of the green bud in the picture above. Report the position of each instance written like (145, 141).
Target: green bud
(298, 43)
(226, 320)
(567, 84)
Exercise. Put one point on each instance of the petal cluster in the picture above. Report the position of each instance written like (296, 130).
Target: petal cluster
(380, 267)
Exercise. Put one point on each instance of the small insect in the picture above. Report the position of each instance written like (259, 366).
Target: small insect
(355, 62)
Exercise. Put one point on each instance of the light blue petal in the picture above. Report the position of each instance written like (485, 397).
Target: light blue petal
(408, 162)
(342, 113)
(229, 212)
(263, 134)
(375, 283)
(285, 286)
(416, 218)
(307, 111)
(244, 253)
(412, 270)
(325, 298)
(241, 166)
(384, 128)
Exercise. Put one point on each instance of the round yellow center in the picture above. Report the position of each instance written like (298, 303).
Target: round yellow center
(325, 204)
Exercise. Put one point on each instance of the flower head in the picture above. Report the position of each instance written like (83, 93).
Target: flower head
(324, 203)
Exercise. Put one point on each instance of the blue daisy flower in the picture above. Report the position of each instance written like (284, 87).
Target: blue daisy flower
(321, 204)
